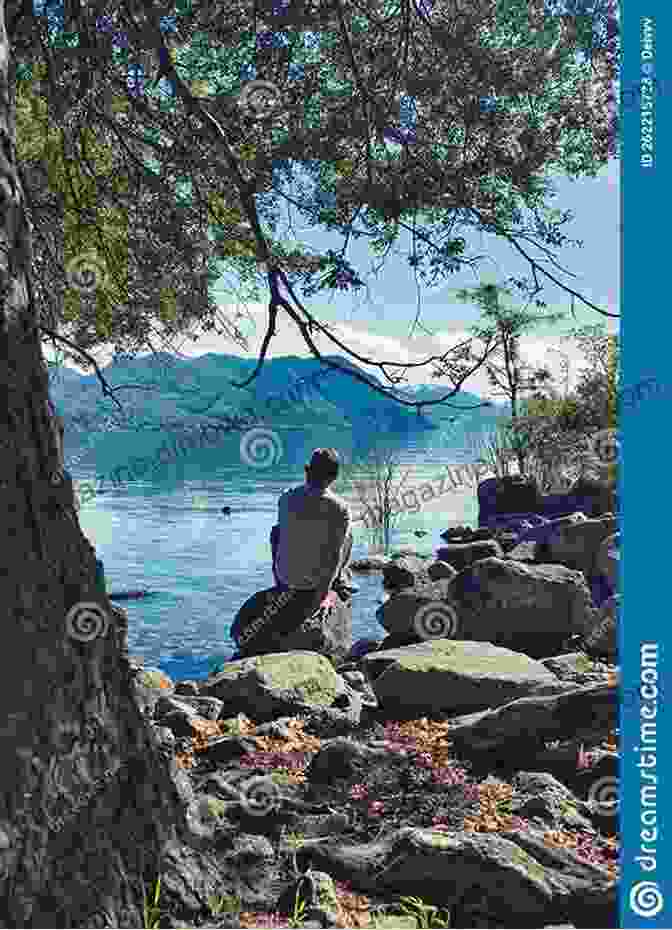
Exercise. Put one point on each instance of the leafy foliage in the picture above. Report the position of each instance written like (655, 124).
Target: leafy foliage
(170, 162)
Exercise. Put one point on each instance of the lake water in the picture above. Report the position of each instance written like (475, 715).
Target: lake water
(169, 536)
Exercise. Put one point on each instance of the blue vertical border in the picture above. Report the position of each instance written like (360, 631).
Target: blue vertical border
(645, 635)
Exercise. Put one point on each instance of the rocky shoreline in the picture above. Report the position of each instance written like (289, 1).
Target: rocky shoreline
(439, 773)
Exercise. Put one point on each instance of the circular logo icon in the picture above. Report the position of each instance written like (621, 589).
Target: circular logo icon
(260, 99)
(260, 448)
(86, 621)
(605, 447)
(646, 899)
(436, 620)
(603, 796)
(86, 273)
(259, 796)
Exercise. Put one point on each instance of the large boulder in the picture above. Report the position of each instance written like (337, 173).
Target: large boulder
(445, 675)
(439, 569)
(516, 880)
(327, 633)
(404, 572)
(412, 611)
(505, 495)
(590, 713)
(269, 686)
(599, 497)
(602, 639)
(532, 608)
(461, 554)
(576, 545)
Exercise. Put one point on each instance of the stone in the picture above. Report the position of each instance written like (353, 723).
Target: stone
(576, 545)
(447, 675)
(343, 758)
(529, 608)
(599, 497)
(187, 688)
(602, 639)
(461, 554)
(607, 560)
(404, 572)
(529, 722)
(438, 570)
(329, 634)
(526, 883)
(150, 684)
(362, 647)
(208, 708)
(274, 685)
(318, 891)
(423, 608)
(373, 563)
(223, 749)
(543, 798)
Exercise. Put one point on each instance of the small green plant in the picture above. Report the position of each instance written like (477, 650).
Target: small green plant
(216, 808)
(281, 778)
(224, 904)
(152, 911)
(426, 915)
(295, 840)
(298, 915)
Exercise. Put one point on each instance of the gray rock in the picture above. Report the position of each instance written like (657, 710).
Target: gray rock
(318, 891)
(534, 720)
(438, 570)
(460, 555)
(455, 676)
(404, 572)
(373, 563)
(189, 688)
(530, 608)
(409, 606)
(343, 758)
(525, 882)
(274, 685)
(602, 639)
(576, 545)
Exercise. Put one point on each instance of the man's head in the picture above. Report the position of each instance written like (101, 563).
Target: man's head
(322, 470)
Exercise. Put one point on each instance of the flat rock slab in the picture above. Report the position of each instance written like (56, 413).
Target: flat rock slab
(525, 882)
(455, 675)
(534, 720)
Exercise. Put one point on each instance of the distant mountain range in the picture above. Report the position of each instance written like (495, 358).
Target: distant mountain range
(162, 392)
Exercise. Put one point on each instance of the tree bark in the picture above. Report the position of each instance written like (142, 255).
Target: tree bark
(85, 799)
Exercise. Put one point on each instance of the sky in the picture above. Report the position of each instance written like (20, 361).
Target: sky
(377, 324)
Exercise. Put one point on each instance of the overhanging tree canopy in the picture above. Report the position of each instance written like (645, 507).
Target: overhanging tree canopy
(471, 167)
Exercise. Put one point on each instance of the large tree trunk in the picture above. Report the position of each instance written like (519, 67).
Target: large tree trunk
(85, 800)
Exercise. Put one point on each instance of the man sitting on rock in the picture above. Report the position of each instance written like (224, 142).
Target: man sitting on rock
(311, 545)
(312, 541)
